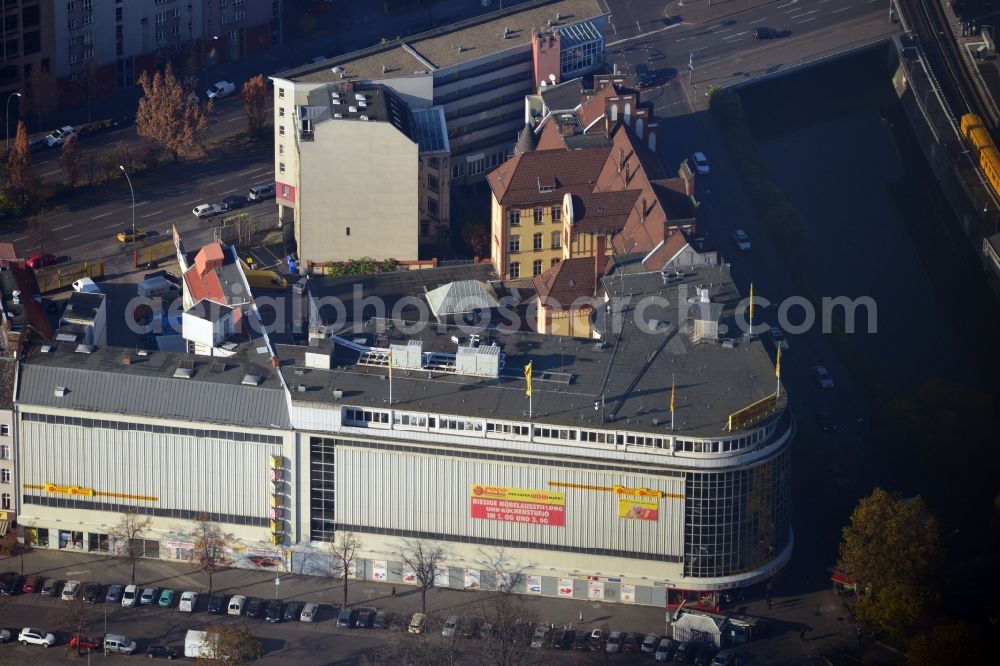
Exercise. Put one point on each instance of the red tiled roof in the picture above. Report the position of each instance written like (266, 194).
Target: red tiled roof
(593, 108)
(659, 257)
(519, 180)
(602, 211)
(567, 281)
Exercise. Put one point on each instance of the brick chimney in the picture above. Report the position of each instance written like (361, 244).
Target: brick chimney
(600, 254)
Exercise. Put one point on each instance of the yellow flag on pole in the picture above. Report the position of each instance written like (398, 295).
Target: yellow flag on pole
(751, 303)
(527, 379)
(777, 365)
(673, 395)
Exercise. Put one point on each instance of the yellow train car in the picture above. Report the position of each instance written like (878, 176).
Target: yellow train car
(983, 148)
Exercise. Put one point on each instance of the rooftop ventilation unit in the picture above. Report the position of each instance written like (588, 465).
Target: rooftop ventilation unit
(142, 352)
(352, 109)
(338, 70)
(60, 391)
(184, 373)
(409, 356)
(338, 394)
(47, 348)
(85, 349)
(362, 104)
(364, 118)
(359, 96)
(251, 380)
(338, 115)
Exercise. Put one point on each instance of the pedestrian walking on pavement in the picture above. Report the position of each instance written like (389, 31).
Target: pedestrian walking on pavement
(580, 616)
(393, 591)
(802, 633)
(770, 603)
(860, 634)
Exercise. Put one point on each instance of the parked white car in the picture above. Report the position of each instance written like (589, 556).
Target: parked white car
(58, 137)
(70, 590)
(130, 596)
(29, 636)
(221, 89)
(188, 601)
(207, 210)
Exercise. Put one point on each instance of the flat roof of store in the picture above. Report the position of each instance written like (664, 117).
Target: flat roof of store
(460, 42)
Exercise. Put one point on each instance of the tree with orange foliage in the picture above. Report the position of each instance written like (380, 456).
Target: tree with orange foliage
(254, 96)
(21, 176)
(70, 160)
(170, 115)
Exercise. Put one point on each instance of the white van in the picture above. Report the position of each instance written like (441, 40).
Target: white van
(196, 644)
(236, 604)
(262, 191)
(130, 596)
(118, 644)
(156, 287)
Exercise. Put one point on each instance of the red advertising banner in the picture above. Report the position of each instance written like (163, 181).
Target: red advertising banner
(517, 505)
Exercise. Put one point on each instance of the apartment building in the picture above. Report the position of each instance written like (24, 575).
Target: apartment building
(477, 70)
(28, 42)
(587, 162)
(365, 174)
(8, 465)
(104, 44)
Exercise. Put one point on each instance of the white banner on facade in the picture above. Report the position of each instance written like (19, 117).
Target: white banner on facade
(472, 579)
(534, 584)
(409, 575)
(441, 576)
(595, 591)
(566, 587)
(503, 581)
(352, 569)
(379, 568)
(628, 594)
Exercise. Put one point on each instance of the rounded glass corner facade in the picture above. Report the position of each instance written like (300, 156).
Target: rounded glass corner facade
(737, 521)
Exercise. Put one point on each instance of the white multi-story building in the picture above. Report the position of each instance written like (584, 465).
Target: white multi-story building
(605, 484)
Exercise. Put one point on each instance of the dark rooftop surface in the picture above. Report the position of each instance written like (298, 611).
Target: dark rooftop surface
(632, 369)
(100, 381)
(82, 306)
(564, 96)
(383, 292)
(478, 37)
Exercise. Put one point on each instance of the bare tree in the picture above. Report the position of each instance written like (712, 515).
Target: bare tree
(76, 615)
(128, 535)
(21, 176)
(345, 551)
(210, 544)
(507, 572)
(423, 558)
(254, 96)
(70, 160)
(232, 644)
(508, 640)
(39, 231)
(170, 115)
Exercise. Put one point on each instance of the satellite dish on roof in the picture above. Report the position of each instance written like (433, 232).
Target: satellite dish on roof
(552, 78)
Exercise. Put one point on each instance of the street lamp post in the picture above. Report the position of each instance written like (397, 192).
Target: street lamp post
(7, 120)
(133, 199)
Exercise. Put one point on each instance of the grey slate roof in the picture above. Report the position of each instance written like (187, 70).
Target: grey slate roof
(99, 382)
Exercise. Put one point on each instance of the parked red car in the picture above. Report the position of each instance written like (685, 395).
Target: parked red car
(31, 585)
(84, 643)
(39, 260)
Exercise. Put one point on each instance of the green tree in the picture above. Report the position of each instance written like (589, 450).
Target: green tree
(170, 115)
(70, 160)
(951, 641)
(21, 180)
(890, 548)
(254, 97)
